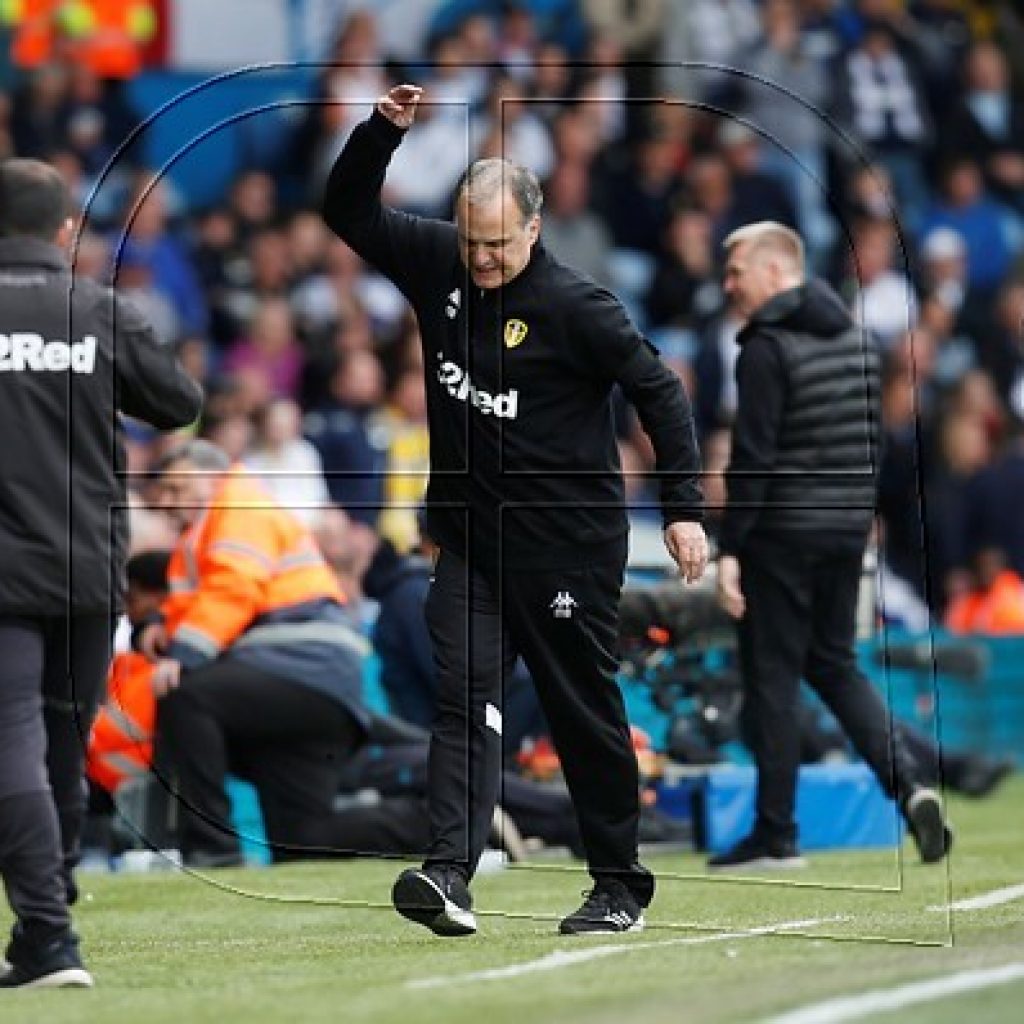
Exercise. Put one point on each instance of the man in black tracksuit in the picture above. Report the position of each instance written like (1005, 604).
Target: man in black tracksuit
(71, 355)
(526, 503)
(801, 498)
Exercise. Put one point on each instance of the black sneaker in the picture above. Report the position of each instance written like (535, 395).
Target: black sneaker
(56, 965)
(923, 811)
(608, 909)
(757, 851)
(436, 897)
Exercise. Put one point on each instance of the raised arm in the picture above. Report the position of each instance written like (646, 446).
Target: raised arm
(399, 245)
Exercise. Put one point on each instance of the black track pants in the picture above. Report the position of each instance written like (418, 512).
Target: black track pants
(564, 623)
(800, 623)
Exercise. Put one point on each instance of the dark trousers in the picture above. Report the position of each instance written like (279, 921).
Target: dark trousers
(564, 623)
(800, 623)
(288, 740)
(52, 671)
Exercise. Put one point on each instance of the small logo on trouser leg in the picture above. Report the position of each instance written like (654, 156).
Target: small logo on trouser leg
(563, 604)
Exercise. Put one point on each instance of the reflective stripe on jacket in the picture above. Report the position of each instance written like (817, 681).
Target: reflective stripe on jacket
(246, 559)
(121, 741)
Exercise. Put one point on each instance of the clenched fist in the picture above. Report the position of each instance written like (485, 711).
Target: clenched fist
(399, 105)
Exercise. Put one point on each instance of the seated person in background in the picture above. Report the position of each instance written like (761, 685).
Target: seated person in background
(256, 670)
(288, 465)
(121, 741)
(994, 602)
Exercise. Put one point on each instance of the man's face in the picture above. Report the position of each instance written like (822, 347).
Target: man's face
(750, 280)
(494, 243)
(140, 602)
(184, 492)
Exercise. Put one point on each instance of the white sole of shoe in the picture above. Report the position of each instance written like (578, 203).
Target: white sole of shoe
(72, 977)
(418, 898)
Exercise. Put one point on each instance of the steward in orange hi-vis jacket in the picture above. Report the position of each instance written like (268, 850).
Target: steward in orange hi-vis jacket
(121, 741)
(257, 668)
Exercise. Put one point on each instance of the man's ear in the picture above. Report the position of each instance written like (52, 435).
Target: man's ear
(534, 228)
(66, 234)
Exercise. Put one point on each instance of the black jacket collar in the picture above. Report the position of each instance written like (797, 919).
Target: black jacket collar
(31, 252)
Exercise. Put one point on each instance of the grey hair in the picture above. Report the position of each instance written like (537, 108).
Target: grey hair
(204, 455)
(769, 236)
(488, 178)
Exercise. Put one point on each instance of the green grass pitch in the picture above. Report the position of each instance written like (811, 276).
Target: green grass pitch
(319, 942)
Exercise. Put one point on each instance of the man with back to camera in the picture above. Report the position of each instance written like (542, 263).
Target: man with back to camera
(801, 498)
(521, 354)
(72, 354)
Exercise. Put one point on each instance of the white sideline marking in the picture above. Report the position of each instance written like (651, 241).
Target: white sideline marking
(986, 899)
(559, 959)
(835, 1011)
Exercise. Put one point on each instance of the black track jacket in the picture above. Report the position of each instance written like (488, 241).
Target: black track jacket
(519, 380)
(72, 354)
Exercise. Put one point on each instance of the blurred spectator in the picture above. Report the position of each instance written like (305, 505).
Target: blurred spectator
(439, 139)
(708, 184)
(231, 430)
(988, 124)
(97, 119)
(700, 38)
(479, 39)
(604, 89)
(408, 460)
(91, 257)
(348, 548)
(993, 604)
(271, 351)
(352, 437)
(945, 278)
(941, 35)
(288, 466)
(454, 87)
(686, 291)
(1003, 350)
(868, 194)
(965, 206)
(881, 101)
(252, 203)
(636, 198)
(637, 28)
(517, 40)
(757, 194)
(881, 296)
(220, 266)
(996, 499)
(572, 232)
(38, 121)
(714, 402)
(134, 279)
(552, 86)
(345, 91)
(509, 129)
(783, 93)
(147, 230)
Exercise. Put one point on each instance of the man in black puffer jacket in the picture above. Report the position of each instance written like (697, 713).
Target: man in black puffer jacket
(801, 498)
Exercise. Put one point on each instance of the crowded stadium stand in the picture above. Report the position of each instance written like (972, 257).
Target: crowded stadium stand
(196, 136)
